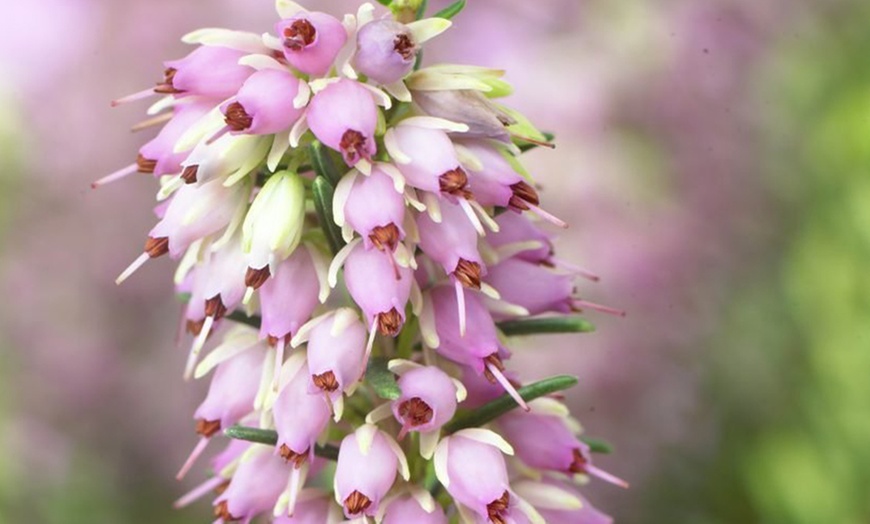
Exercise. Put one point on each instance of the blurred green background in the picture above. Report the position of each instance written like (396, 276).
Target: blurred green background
(713, 160)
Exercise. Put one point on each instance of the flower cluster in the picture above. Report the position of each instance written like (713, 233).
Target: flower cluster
(357, 240)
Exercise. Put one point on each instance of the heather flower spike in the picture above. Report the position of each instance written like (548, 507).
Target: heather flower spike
(358, 241)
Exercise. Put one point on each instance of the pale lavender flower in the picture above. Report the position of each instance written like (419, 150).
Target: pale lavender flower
(386, 51)
(299, 418)
(452, 243)
(255, 487)
(311, 41)
(314, 509)
(379, 286)
(265, 104)
(407, 509)
(429, 160)
(428, 401)
(380, 226)
(288, 298)
(343, 116)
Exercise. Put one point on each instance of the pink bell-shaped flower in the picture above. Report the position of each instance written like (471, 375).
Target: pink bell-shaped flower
(379, 286)
(559, 502)
(254, 488)
(523, 237)
(264, 104)
(299, 419)
(368, 460)
(428, 400)
(336, 352)
(311, 41)
(208, 71)
(407, 510)
(386, 51)
(232, 392)
(431, 163)
(312, 510)
(289, 297)
(470, 465)
(453, 244)
(536, 288)
(496, 183)
(380, 225)
(344, 116)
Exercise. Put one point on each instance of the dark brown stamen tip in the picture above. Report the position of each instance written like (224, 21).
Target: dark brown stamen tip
(221, 511)
(356, 503)
(156, 247)
(389, 323)
(207, 428)
(404, 46)
(272, 341)
(291, 456)
(454, 182)
(468, 273)
(194, 327)
(353, 145)
(166, 87)
(325, 381)
(214, 307)
(384, 237)
(299, 35)
(497, 508)
(145, 165)
(523, 195)
(237, 118)
(579, 463)
(415, 412)
(189, 174)
(222, 487)
(496, 362)
(254, 278)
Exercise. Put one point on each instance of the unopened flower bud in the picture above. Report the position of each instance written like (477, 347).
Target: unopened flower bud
(483, 118)
(311, 41)
(273, 225)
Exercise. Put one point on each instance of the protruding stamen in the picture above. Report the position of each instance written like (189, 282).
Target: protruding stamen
(373, 329)
(581, 464)
(299, 35)
(468, 273)
(157, 247)
(523, 195)
(556, 221)
(583, 272)
(356, 503)
(460, 306)
(494, 370)
(325, 382)
(254, 278)
(389, 323)
(145, 165)
(196, 348)
(141, 95)
(280, 345)
(236, 118)
(139, 262)
(166, 87)
(583, 304)
(207, 428)
(197, 451)
(453, 182)
(189, 174)
(384, 237)
(497, 509)
(153, 121)
(117, 175)
(534, 141)
(198, 492)
(465, 204)
(291, 456)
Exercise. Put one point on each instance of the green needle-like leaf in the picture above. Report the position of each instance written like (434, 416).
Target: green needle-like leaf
(322, 163)
(535, 326)
(451, 10)
(421, 11)
(323, 191)
(381, 379)
(597, 445)
(503, 404)
(270, 437)
(385, 2)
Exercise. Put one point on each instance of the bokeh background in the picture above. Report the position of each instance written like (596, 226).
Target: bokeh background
(713, 159)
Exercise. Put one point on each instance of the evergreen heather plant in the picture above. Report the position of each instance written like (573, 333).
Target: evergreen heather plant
(358, 242)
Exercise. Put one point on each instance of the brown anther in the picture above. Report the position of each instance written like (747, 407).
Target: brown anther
(497, 508)
(352, 143)
(145, 165)
(222, 487)
(356, 503)
(389, 323)
(384, 237)
(291, 456)
(579, 463)
(222, 511)
(166, 87)
(207, 428)
(189, 174)
(454, 182)
(214, 307)
(194, 327)
(468, 273)
(415, 412)
(495, 361)
(299, 35)
(272, 341)
(156, 247)
(404, 46)
(254, 278)
(523, 195)
(325, 381)
(237, 118)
